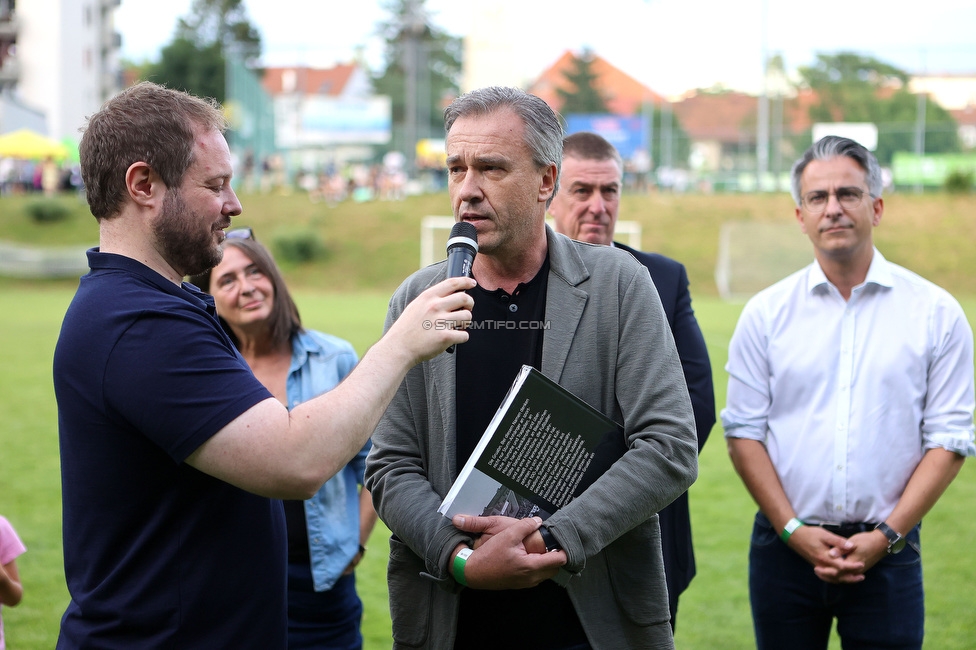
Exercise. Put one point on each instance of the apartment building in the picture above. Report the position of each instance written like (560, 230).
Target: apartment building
(59, 61)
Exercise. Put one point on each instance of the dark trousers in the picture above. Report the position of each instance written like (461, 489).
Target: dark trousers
(322, 619)
(793, 608)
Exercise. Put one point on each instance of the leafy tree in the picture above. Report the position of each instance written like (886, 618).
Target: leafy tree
(132, 69)
(195, 60)
(223, 22)
(856, 88)
(185, 66)
(582, 98)
(414, 43)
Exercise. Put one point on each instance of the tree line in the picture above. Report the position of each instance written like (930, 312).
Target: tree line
(419, 55)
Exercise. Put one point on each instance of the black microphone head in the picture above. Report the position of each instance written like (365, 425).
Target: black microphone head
(464, 234)
(462, 247)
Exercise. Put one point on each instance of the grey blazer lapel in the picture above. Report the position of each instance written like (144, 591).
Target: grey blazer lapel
(441, 377)
(565, 302)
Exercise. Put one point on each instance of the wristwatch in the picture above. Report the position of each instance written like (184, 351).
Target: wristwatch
(895, 541)
(550, 541)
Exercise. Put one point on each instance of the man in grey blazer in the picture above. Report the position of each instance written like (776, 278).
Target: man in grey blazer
(580, 314)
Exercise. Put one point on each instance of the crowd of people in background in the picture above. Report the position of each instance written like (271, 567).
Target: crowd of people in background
(359, 182)
(389, 180)
(48, 177)
(331, 183)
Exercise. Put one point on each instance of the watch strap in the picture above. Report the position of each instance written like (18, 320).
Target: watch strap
(895, 540)
(549, 539)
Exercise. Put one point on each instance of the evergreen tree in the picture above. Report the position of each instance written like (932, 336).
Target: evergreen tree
(582, 96)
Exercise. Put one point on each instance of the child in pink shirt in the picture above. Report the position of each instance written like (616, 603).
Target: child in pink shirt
(11, 591)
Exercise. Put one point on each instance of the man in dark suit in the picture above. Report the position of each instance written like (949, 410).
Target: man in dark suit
(585, 208)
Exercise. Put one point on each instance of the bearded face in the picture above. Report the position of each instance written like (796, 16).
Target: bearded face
(188, 240)
(188, 229)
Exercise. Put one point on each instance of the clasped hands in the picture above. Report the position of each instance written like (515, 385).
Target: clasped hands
(836, 559)
(508, 553)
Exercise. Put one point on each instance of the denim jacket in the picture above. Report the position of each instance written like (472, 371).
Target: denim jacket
(318, 363)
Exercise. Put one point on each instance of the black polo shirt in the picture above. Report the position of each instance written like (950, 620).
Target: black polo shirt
(507, 332)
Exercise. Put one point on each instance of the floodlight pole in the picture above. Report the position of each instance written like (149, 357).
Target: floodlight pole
(920, 130)
(920, 138)
(762, 117)
(414, 30)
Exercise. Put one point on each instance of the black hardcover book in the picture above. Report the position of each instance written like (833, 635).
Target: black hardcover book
(543, 447)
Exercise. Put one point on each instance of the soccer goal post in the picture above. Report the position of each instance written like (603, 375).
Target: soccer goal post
(754, 255)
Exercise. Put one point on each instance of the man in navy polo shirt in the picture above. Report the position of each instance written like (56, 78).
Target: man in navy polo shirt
(173, 455)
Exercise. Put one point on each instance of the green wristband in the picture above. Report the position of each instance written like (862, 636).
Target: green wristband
(459, 561)
(790, 528)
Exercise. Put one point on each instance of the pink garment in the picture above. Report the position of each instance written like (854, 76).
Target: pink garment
(10, 548)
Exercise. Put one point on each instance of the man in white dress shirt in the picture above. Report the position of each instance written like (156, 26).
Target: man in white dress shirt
(849, 412)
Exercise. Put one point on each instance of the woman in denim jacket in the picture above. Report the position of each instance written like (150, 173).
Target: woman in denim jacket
(327, 533)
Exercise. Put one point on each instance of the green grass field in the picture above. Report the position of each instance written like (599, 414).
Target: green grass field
(714, 611)
(371, 248)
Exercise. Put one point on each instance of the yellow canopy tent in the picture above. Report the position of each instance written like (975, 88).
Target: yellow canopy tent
(72, 146)
(28, 145)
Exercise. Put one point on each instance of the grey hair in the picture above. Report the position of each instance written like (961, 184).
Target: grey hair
(543, 132)
(832, 146)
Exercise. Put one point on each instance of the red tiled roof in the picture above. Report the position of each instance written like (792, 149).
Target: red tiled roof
(964, 116)
(727, 116)
(720, 116)
(796, 111)
(624, 95)
(309, 81)
(717, 116)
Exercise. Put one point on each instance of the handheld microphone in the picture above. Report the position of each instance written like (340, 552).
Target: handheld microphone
(462, 246)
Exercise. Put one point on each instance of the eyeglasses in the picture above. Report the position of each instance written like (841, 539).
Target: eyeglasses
(848, 197)
(239, 233)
